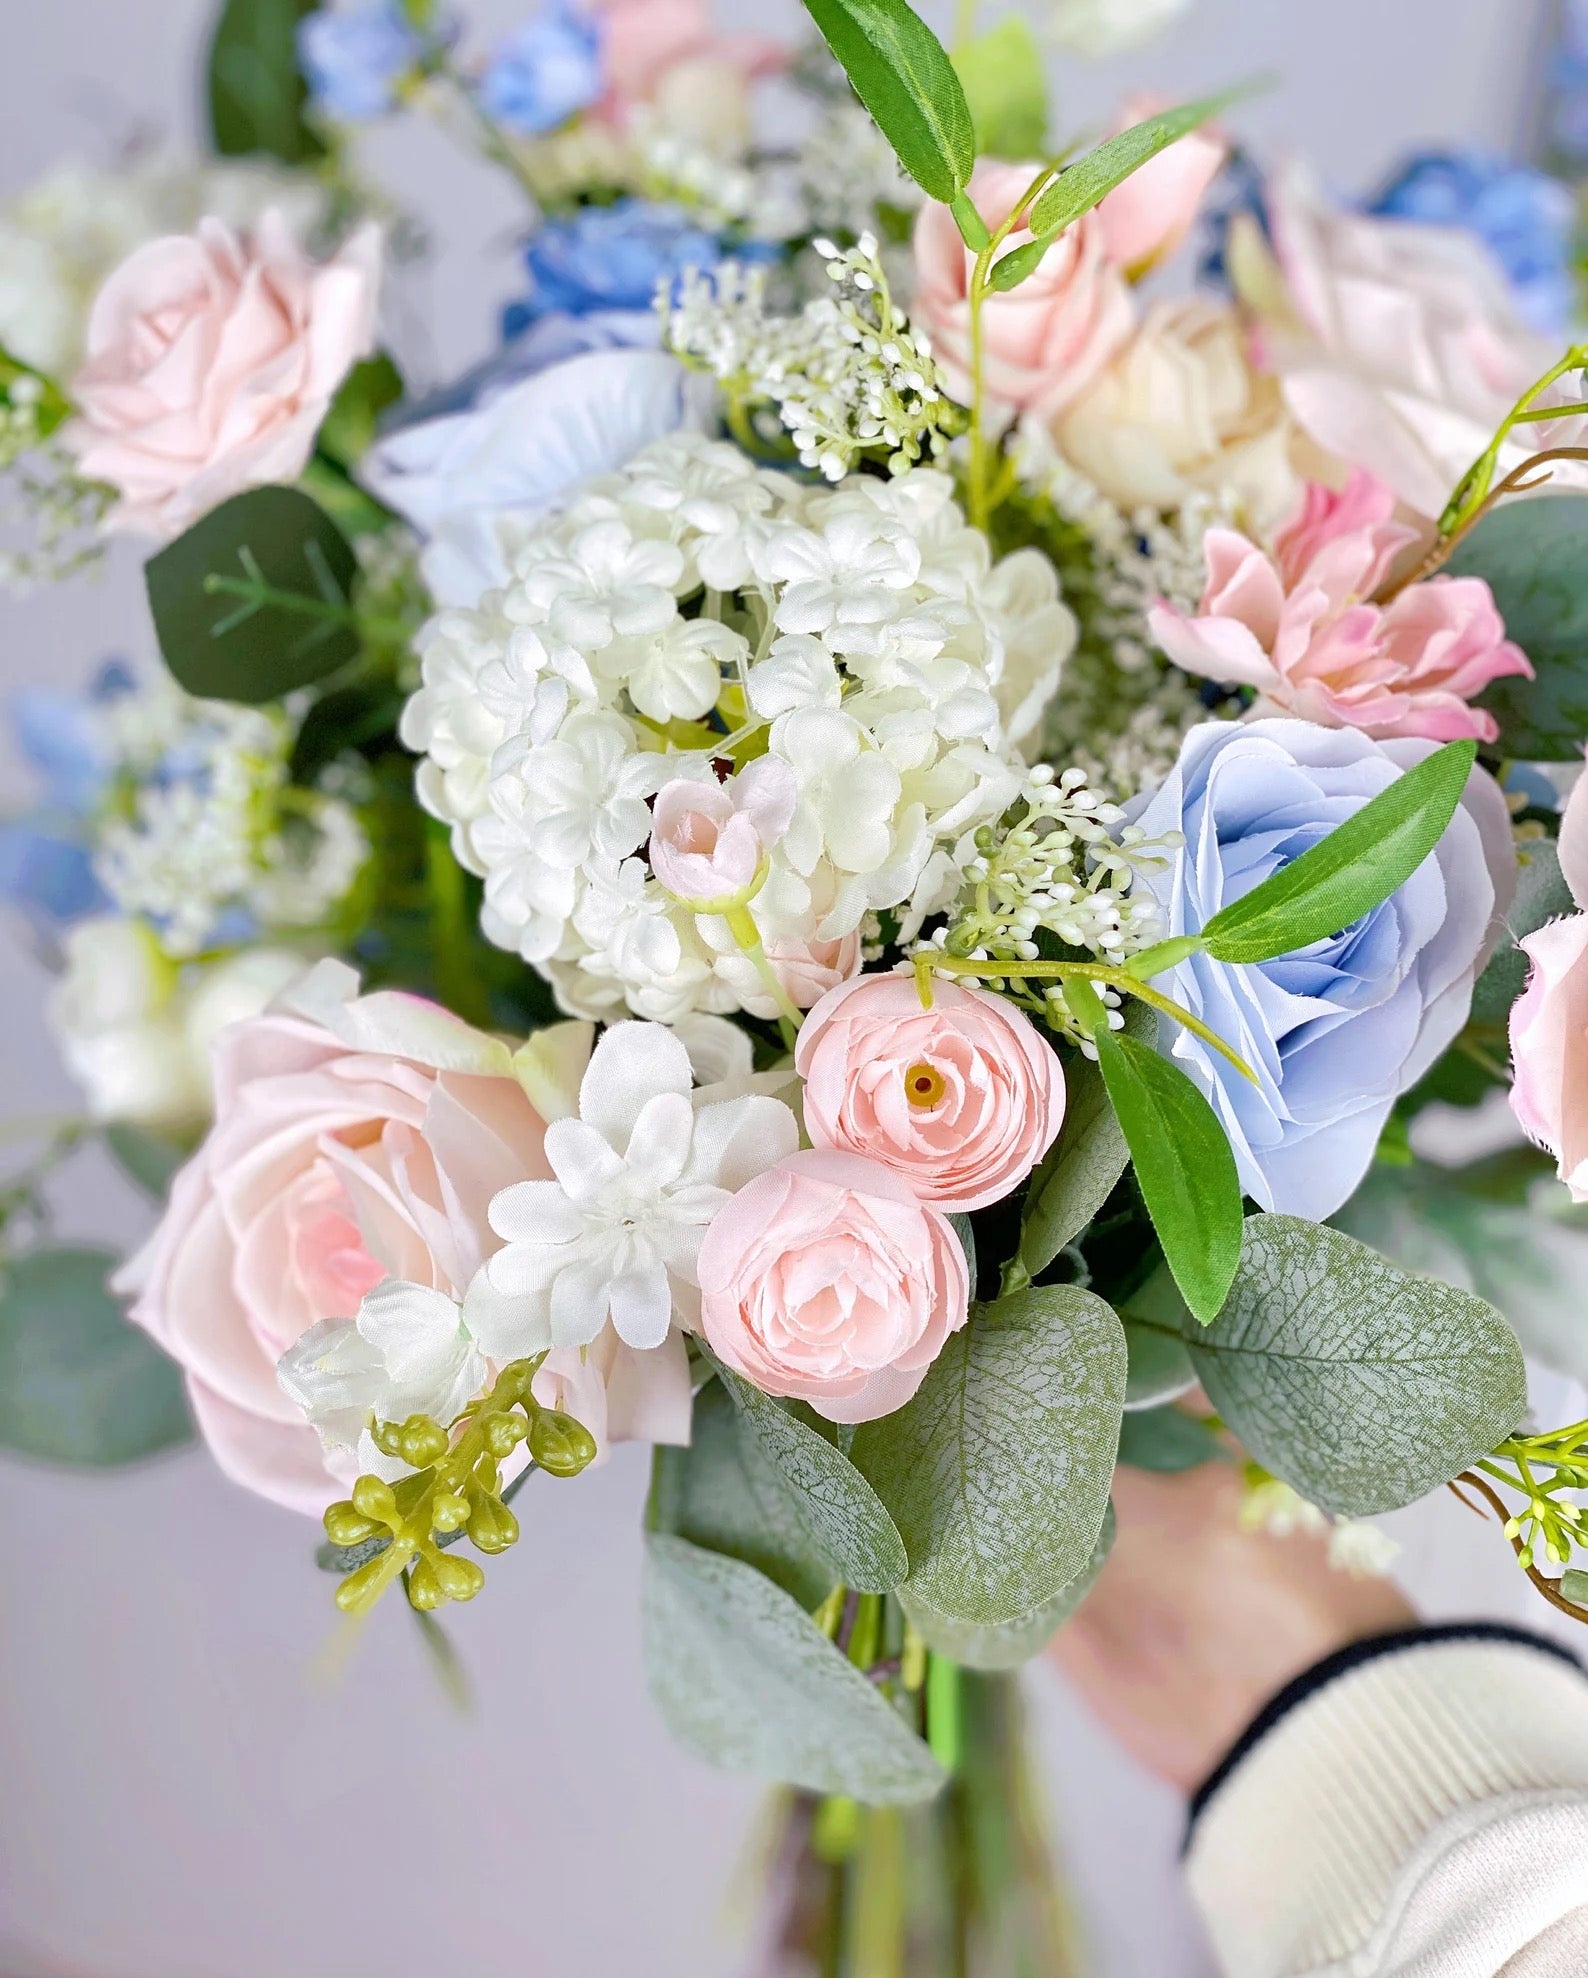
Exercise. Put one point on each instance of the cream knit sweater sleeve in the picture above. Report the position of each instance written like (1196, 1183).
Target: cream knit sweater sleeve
(1414, 1808)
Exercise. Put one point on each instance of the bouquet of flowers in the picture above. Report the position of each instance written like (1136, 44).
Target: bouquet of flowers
(865, 857)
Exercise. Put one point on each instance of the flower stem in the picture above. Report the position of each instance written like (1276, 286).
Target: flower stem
(747, 937)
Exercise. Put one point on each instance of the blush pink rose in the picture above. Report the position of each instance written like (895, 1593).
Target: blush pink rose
(826, 1280)
(960, 1101)
(212, 360)
(709, 841)
(1145, 219)
(1549, 1021)
(1300, 625)
(1044, 341)
(644, 43)
(356, 1138)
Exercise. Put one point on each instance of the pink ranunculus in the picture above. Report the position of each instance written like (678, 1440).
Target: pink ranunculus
(827, 1280)
(644, 43)
(960, 1101)
(1300, 625)
(709, 840)
(1146, 218)
(1044, 341)
(212, 360)
(1549, 1021)
(356, 1138)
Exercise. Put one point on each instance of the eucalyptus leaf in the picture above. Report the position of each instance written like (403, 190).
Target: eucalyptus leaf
(1356, 868)
(1014, 1642)
(1005, 81)
(1574, 1587)
(901, 72)
(840, 1512)
(997, 1472)
(1361, 1386)
(1080, 1172)
(1541, 895)
(1534, 556)
(1167, 1440)
(1184, 1167)
(1091, 179)
(349, 427)
(147, 1158)
(78, 1383)
(1159, 1367)
(253, 600)
(745, 1678)
(257, 94)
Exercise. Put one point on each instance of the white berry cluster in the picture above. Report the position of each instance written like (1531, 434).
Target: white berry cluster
(695, 609)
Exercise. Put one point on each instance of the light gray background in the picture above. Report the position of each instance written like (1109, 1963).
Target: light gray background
(181, 1794)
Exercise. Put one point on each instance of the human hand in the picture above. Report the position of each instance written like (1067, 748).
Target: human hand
(1194, 1624)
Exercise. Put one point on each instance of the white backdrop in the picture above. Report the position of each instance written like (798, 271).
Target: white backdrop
(180, 1795)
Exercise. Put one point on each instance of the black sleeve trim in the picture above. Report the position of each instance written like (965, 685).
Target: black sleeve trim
(1341, 1663)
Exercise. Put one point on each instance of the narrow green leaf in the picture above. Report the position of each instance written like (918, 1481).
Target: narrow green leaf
(1356, 868)
(1012, 1643)
(1361, 1386)
(349, 427)
(997, 1472)
(257, 95)
(1091, 179)
(1005, 82)
(1184, 1167)
(147, 1158)
(901, 72)
(745, 1678)
(1166, 1440)
(1079, 1173)
(1011, 269)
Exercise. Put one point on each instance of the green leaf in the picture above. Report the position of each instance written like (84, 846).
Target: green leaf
(1167, 1440)
(1356, 868)
(841, 1514)
(1091, 179)
(257, 95)
(746, 1679)
(78, 1383)
(1541, 895)
(361, 717)
(1080, 1171)
(1574, 1587)
(1159, 1367)
(997, 1472)
(1184, 1167)
(1362, 1387)
(1014, 1642)
(1534, 557)
(149, 1159)
(253, 600)
(901, 72)
(349, 427)
(1005, 82)
(1011, 269)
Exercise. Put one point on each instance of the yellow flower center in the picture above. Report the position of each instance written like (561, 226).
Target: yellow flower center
(924, 1086)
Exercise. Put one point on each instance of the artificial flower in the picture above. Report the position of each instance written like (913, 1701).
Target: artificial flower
(544, 72)
(356, 58)
(1549, 1021)
(1107, 27)
(661, 52)
(608, 257)
(710, 840)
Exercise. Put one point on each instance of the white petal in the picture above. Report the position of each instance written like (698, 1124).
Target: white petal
(737, 1139)
(631, 1063)
(507, 1328)
(535, 1212)
(414, 1328)
(642, 1306)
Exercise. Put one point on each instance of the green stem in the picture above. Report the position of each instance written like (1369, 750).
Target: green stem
(945, 1713)
(741, 925)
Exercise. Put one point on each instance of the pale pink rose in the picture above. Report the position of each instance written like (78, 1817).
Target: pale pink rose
(826, 1280)
(960, 1101)
(1300, 625)
(1044, 341)
(356, 1138)
(212, 360)
(709, 841)
(1549, 1021)
(645, 43)
(1146, 218)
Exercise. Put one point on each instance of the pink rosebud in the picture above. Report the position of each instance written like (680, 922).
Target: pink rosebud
(1145, 219)
(1300, 625)
(710, 840)
(825, 1279)
(961, 1101)
(1044, 341)
(212, 361)
(1549, 1021)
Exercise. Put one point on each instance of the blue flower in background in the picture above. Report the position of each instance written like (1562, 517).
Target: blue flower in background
(1526, 218)
(354, 59)
(608, 257)
(46, 861)
(1237, 191)
(545, 73)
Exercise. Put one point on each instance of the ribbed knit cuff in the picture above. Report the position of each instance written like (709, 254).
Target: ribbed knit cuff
(1297, 1839)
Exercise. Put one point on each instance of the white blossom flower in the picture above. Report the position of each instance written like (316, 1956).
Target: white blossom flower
(607, 585)
(639, 1176)
(677, 672)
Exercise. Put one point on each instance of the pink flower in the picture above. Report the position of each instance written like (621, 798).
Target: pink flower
(825, 1279)
(644, 43)
(1044, 341)
(709, 841)
(961, 1101)
(356, 1138)
(1146, 218)
(1300, 625)
(212, 361)
(1549, 1021)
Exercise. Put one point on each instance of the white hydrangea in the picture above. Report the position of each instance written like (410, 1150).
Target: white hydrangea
(695, 608)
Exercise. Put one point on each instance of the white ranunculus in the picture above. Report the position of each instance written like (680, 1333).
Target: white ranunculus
(1104, 27)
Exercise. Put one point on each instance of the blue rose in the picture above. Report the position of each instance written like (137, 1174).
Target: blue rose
(1339, 1030)
(354, 59)
(1527, 220)
(608, 257)
(46, 855)
(545, 73)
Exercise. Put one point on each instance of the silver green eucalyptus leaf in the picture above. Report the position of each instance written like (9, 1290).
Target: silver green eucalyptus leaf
(1014, 1642)
(1541, 895)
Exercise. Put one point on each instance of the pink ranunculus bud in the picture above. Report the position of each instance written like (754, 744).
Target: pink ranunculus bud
(212, 360)
(1549, 1021)
(1044, 341)
(961, 1101)
(1145, 219)
(1301, 625)
(827, 1280)
(709, 841)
